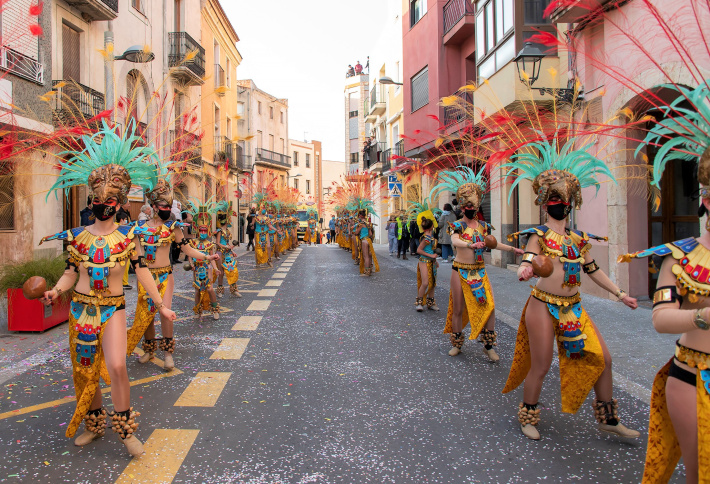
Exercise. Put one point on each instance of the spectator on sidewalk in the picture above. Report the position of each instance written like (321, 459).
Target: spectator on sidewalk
(391, 228)
(177, 210)
(447, 216)
(146, 213)
(251, 219)
(87, 215)
(414, 236)
(402, 237)
(331, 229)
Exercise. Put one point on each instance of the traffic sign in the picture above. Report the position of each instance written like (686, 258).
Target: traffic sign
(395, 189)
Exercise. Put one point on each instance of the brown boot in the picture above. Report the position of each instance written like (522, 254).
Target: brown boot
(457, 343)
(124, 424)
(607, 415)
(529, 417)
(95, 427)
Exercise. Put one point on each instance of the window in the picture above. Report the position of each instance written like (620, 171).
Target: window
(258, 106)
(308, 160)
(353, 114)
(282, 117)
(534, 12)
(271, 142)
(217, 132)
(495, 45)
(417, 9)
(308, 186)
(295, 183)
(271, 112)
(420, 89)
(259, 139)
(229, 128)
(138, 5)
(354, 157)
(283, 147)
(7, 200)
(229, 73)
(240, 109)
(295, 158)
(282, 180)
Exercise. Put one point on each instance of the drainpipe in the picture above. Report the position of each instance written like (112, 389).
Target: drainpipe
(108, 68)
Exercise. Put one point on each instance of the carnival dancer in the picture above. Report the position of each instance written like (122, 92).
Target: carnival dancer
(225, 246)
(205, 271)
(470, 297)
(355, 243)
(156, 237)
(363, 231)
(679, 423)
(427, 266)
(559, 255)
(262, 225)
(311, 234)
(108, 165)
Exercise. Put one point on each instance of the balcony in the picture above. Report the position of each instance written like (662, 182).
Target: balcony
(220, 80)
(185, 147)
(96, 9)
(378, 101)
(241, 161)
(577, 12)
(459, 21)
(223, 150)
(21, 65)
(457, 113)
(376, 155)
(272, 158)
(75, 103)
(387, 160)
(186, 58)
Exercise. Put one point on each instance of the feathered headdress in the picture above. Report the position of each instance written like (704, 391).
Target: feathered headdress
(109, 164)
(468, 184)
(202, 213)
(420, 211)
(564, 172)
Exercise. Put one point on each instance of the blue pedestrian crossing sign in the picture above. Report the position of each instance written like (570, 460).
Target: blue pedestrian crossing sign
(394, 183)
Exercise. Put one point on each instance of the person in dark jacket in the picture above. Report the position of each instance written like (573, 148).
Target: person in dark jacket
(414, 236)
(250, 227)
(402, 237)
(87, 216)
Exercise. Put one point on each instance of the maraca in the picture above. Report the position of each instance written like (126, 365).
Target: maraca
(187, 266)
(542, 266)
(490, 242)
(34, 287)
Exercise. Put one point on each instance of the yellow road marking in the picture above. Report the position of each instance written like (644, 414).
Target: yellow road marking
(203, 390)
(62, 401)
(230, 349)
(247, 323)
(165, 451)
(279, 275)
(267, 292)
(274, 283)
(259, 305)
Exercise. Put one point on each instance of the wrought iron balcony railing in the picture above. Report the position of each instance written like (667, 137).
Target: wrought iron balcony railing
(74, 102)
(377, 96)
(272, 157)
(457, 113)
(21, 65)
(223, 150)
(387, 160)
(220, 80)
(181, 44)
(376, 154)
(454, 10)
(186, 146)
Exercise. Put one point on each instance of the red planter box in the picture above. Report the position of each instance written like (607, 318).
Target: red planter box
(26, 315)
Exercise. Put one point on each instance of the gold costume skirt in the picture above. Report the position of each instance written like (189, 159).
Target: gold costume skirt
(663, 450)
(145, 310)
(375, 263)
(260, 252)
(88, 317)
(579, 349)
(431, 275)
(478, 298)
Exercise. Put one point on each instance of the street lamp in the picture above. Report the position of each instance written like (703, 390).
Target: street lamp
(136, 54)
(292, 176)
(529, 63)
(388, 81)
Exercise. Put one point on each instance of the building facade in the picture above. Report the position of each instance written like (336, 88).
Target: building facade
(263, 130)
(355, 95)
(307, 171)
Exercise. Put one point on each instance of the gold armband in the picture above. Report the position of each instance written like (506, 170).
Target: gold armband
(528, 257)
(665, 295)
(590, 268)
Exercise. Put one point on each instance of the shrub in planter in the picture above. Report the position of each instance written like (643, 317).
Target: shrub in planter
(26, 315)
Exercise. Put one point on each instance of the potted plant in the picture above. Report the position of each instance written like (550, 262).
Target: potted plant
(24, 314)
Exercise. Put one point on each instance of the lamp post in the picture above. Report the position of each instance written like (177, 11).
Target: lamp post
(529, 63)
(388, 81)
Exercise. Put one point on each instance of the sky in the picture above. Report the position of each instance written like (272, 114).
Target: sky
(300, 50)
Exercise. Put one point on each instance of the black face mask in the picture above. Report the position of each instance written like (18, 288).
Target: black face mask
(103, 212)
(559, 211)
(164, 214)
(470, 213)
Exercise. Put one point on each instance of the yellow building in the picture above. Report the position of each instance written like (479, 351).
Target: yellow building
(222, 161)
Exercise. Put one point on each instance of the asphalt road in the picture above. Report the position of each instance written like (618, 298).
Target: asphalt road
(328, 377)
